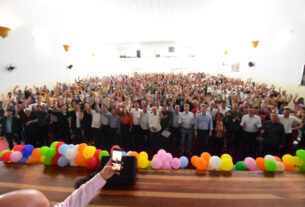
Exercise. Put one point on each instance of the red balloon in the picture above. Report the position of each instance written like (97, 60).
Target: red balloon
(6, 157)
(55, 159)
(58, 145)
(114, 147)
(18, 148)
(97, 152)
(92, 162)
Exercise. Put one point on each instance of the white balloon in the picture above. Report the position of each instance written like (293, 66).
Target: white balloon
(269, 157)
(72, 162)
(215, 162)
(128, 153)
(279, 166)
(70, 154)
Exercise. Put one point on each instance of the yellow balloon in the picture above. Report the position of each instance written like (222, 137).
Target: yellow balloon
(226, 164)
(89, 152)
(287, 158)
(226, 156)
(143, 154)
(297, 161)
(142, 162)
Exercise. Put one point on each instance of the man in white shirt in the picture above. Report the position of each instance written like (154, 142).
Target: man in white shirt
(144, 131)
(154, 123)
(105, 127)
(251, 124)
(136, 130)
(288, 123)
(186, 119)
(96, 124)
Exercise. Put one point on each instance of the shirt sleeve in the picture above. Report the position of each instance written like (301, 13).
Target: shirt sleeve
(211, 124)
(83, 195)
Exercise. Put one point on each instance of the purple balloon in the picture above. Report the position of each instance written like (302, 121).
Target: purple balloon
(176, 163)
(166, 165)
(16, 156)
(156, 163)
(251, 163)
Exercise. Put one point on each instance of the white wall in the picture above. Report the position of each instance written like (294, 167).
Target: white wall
(35, 43)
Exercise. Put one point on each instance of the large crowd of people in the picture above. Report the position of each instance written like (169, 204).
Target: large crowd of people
(187, 114)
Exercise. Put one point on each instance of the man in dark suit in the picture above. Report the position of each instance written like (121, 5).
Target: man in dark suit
(10, 127)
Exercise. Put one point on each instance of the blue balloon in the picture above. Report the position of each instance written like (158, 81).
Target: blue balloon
(124, 153)
(27, 150)
(233, 169)
(23, 160)
(71, 146)
(63, 148)
(184, 162)
(62, 161)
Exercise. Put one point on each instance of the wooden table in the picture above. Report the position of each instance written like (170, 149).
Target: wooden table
(165, 187)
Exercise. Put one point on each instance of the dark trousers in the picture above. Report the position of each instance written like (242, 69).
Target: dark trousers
(96, 135)
(105, 136)
(144, 139)
(186, 135)
(113, 138)
(88, 134)
(165, 142)
(54, 129)
(125, 140)
(202, 141)
(77, 135)
(270, 149)
(42, 132)
(64, 134)
(175, 137)
(30, 135)
(9, 139)
(233, 141)
(154, 141)
(136, 132)
(285, 149)
(248, 144)
(218, 143)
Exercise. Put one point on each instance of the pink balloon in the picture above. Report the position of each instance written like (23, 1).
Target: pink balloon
(161, 152)
(176, 163)
(168, 156)
(156, 163)
(16, 156)
(155, 156)
(166, 165)
(251, 163)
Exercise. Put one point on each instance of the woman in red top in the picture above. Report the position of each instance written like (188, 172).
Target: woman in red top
(125, 128)
(219, 133)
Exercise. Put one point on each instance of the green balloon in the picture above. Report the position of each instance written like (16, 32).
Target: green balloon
(50, 153)
(270, 165)
(240, 166)
(103, 153)
(43, 150)
(302, 168)
(47, 161)
(4, 151)
(53, 145)
(301, 154)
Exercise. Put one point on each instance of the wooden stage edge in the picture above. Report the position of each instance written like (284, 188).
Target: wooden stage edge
(164, 187)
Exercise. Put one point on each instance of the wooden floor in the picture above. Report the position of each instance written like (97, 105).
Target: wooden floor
(165, 188)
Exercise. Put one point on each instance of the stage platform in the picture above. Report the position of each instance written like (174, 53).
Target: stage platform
(187, 188)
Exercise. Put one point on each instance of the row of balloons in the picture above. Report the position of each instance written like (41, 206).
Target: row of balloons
(62, 154)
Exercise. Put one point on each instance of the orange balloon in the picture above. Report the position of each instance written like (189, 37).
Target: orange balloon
(81, 148)
(35, 153)
(260, 162)
(80, 160)
(288, 166)
(33, 160)
(277, 158)
(134, 153)
(201, 164)
(193, 160)
(206, 156)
